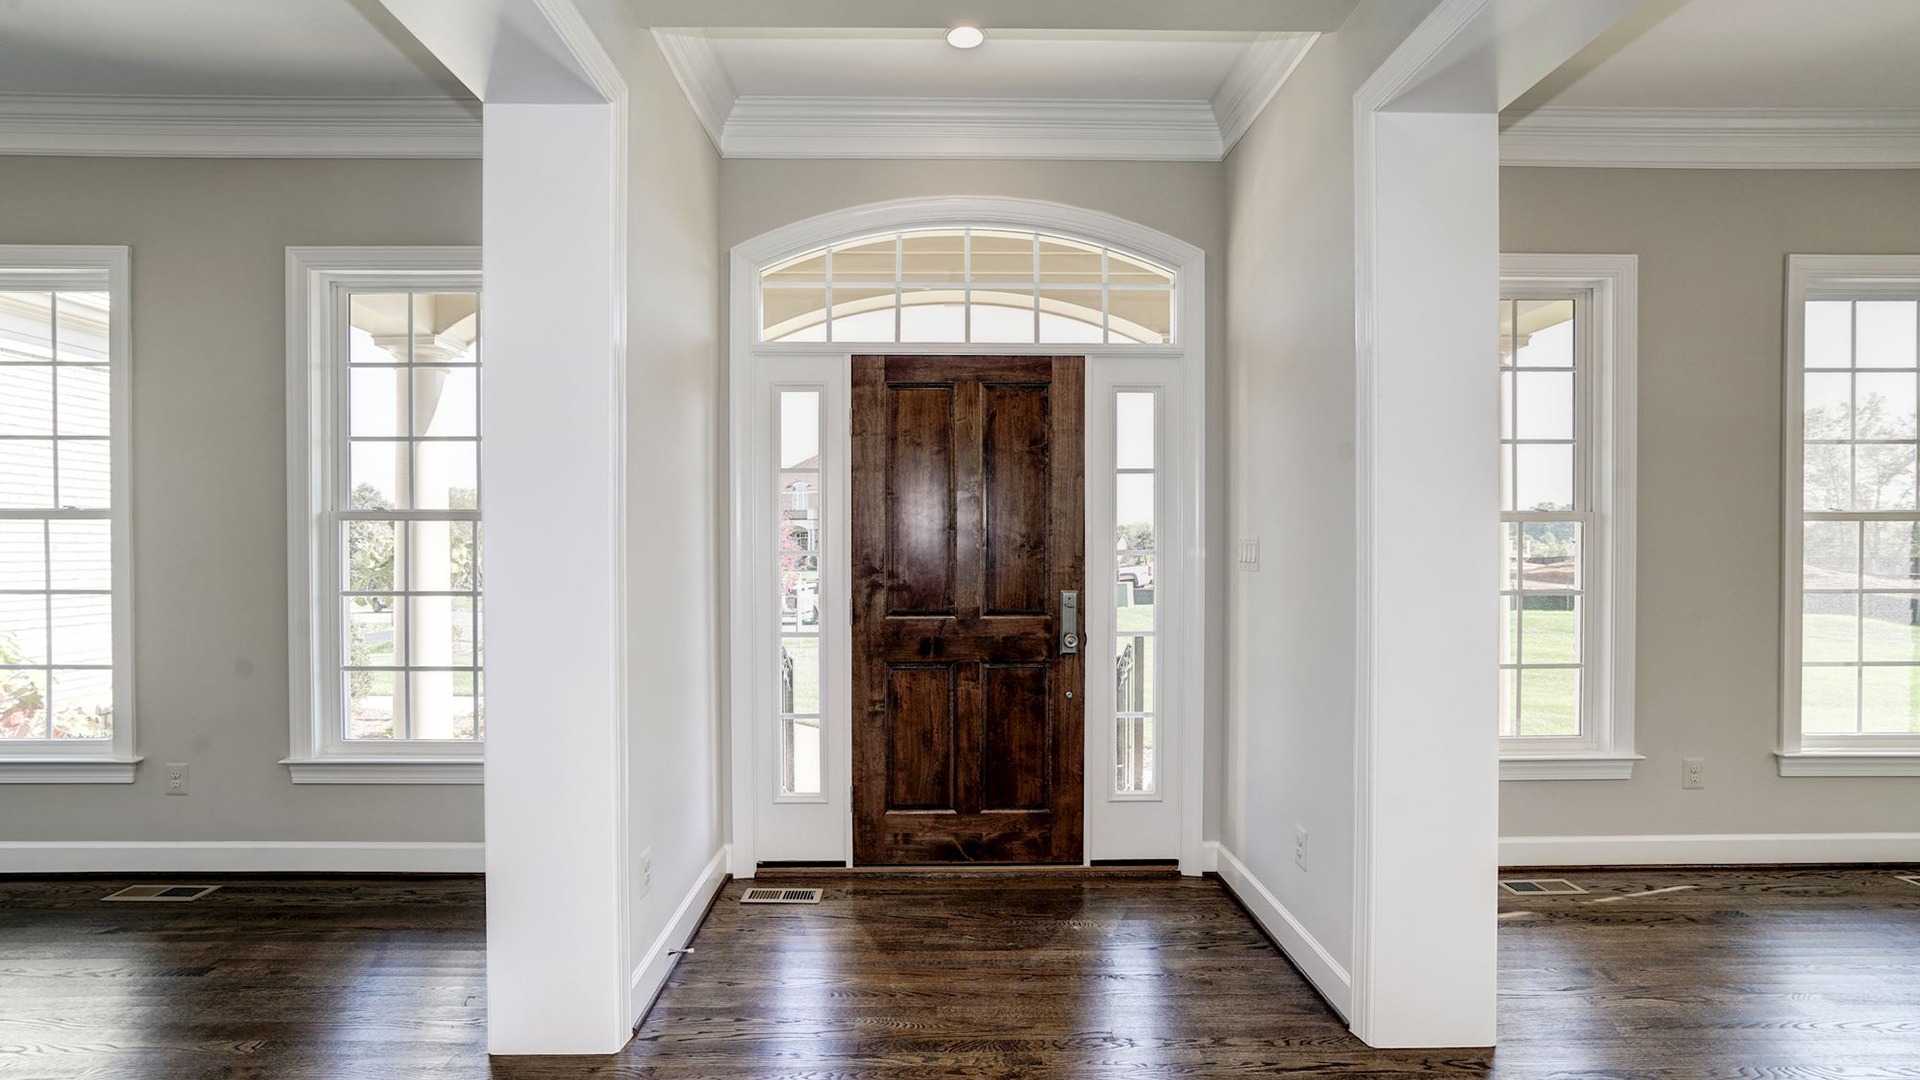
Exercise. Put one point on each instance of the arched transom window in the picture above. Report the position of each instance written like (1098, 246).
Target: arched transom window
(968, 285)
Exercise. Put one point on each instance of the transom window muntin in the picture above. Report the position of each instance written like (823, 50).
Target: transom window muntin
(968, 285)
(61, 627)
(1858, 641)
(1547, 514)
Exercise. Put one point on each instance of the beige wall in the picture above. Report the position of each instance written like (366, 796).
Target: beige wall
(1712, 248)
(1290, 351)
(1183, 199)
(209, 243)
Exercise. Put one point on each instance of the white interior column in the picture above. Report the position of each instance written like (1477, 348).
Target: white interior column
(1427, 256)
(1430, 774)
(553, 439)
(552, 464)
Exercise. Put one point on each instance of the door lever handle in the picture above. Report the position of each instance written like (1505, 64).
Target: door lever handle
(1069, 623)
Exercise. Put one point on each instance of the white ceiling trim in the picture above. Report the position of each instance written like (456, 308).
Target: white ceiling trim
(697, 66)
(220, 127)
(1586, 137)
(767, 126)
(1254, 79)
(819, 127)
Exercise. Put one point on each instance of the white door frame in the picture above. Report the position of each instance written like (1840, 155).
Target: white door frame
(754, 369)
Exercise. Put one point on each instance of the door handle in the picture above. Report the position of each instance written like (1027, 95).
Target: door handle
(1069, 623)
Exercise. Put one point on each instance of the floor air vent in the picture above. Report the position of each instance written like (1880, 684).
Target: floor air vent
(177, 894)
(1542, 887)
(781, 896)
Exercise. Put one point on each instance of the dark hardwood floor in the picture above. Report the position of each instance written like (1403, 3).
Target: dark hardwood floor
(1761, 974)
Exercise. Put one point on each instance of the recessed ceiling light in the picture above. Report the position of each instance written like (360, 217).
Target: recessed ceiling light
(965, 37)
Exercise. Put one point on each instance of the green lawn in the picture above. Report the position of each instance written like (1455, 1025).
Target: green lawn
(1549, 700)
(1891, 695)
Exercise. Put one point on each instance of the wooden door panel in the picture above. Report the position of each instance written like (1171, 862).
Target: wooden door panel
(967, 525)
(920, 500)
(920, 736)
(1015, 455)
(1016, 735)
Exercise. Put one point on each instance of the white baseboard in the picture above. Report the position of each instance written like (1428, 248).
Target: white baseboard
(1306, 952)
(240, 856)
(1710, 850)
(651, 972)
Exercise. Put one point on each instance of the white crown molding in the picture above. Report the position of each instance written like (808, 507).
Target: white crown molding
(820, 127)
(230, 127)
(768, 126)
(1580, 137)
(1254, 79)
(702, 76)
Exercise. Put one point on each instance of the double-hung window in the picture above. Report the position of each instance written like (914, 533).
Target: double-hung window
(1566, 432)
(1850, 684)
(384, 385)
(66, 646)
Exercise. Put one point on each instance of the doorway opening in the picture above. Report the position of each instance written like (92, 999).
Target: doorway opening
(843, 616)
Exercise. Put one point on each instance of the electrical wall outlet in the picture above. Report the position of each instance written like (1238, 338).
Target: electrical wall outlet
(1300, 847)
(1247, 553)
(1693, 773)
(176, 777)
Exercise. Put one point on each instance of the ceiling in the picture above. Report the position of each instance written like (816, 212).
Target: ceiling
(1747, 54)
(214, 48)
(1033, 64)
(1135, 94)
(1755, 84)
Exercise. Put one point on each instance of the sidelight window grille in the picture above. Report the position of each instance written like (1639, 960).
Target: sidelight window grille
(1136, 592)
(965, 285)
(798, 509)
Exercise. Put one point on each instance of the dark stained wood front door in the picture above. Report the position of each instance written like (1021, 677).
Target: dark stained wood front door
(967, 526)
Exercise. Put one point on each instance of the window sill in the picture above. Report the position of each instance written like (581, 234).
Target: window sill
(400, 770)
(1849, 762)
(1588, 766)
(68, 770)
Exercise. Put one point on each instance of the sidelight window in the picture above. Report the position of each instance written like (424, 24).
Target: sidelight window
(967, 285)
(799, 504)
(1136, 591)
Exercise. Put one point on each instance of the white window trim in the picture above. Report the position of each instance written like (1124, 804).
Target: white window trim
(318, 279)
(112, 761)
(1610, 286)
(1815, 277)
